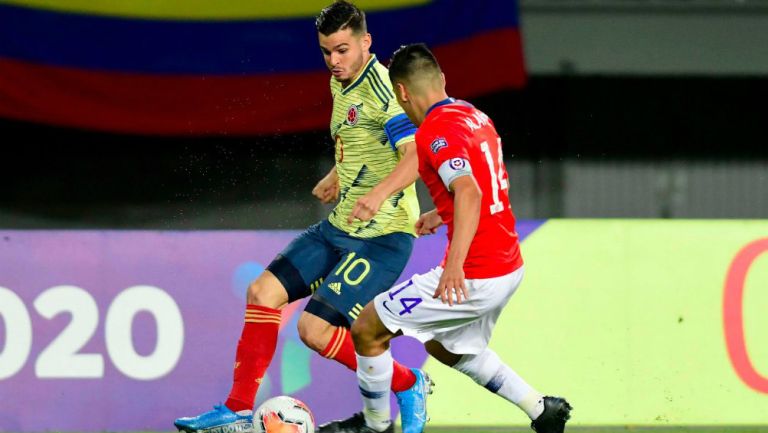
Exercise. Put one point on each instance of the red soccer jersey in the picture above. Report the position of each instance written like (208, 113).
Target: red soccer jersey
(455, 140)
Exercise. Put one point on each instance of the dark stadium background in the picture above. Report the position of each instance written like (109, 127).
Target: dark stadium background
(67, 178)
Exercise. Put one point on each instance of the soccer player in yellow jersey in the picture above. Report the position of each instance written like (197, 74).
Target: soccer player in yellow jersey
(358, 252)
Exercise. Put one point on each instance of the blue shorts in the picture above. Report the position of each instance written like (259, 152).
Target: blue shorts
(342, 273)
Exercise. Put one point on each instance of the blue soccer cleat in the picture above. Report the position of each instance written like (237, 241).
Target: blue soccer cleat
(413, 403)
(219, 420)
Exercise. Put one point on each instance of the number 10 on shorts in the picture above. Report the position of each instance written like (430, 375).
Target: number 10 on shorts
(408, 304)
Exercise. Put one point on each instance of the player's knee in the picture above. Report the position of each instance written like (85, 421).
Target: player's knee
(309, 338)
(257, 293)
(263, 294)
(314, 332)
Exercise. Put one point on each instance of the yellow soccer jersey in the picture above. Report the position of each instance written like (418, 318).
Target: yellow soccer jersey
(368, 126)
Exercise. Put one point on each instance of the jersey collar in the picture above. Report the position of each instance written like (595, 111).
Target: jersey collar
(445, 101)
(359, 79)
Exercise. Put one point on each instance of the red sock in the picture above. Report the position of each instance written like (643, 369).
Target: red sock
(254, 353)
(342, 349)
(402, 377)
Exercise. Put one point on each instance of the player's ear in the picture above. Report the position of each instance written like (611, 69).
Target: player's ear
(402, 92)
(367, 41)
(442, 77)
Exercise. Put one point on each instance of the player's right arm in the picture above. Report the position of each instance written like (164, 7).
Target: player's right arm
(327, 190)
(466, 216)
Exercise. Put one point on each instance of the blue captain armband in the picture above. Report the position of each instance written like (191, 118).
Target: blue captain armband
(397, 128)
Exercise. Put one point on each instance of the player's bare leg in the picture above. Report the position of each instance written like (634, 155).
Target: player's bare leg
(409, 385)
(548, 414)
(437, 351)
(266, 297)
(374, 367)
(370, 335)
(315, 332)
(335, 342)
(267, 291)
(374, 373)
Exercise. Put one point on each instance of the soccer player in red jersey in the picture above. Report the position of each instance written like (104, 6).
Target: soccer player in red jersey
(454, 307)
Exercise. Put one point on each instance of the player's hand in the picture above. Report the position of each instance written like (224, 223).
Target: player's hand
(428, 223)
(327, 190)
(451, 284)
(366, 207)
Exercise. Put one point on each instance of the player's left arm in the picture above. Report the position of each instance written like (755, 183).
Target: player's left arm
(405, 173)
(466, 201)
(400, 134)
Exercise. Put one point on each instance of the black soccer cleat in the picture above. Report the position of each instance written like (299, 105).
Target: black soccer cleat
(556, 412)
(354, 424)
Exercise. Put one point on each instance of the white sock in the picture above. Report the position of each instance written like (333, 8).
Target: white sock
(374, 374)
(487, 370)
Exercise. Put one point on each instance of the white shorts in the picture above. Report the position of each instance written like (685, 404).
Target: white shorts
(463, 329)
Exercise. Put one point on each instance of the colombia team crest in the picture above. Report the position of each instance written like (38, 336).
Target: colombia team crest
(353, 114)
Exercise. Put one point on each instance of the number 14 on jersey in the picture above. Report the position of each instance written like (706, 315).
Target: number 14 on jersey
(499, 180)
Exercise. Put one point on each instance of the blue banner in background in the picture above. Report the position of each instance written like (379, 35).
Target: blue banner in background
(170, 68)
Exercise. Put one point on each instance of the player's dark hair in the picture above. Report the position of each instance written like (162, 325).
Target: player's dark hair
(341, 15)
(411, 59)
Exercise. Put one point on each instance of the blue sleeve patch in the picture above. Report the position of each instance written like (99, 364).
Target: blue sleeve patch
(398, 127)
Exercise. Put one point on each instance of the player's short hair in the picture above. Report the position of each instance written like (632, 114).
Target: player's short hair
(341, 15)
(412, 60)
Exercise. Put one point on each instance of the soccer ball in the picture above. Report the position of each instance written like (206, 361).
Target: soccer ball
(283, 415)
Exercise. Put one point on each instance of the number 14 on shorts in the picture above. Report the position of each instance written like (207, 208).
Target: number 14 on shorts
(407, 304)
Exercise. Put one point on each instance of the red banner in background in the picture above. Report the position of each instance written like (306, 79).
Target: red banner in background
(211, 77)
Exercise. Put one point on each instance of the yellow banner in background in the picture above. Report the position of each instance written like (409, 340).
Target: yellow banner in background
(205, 9)
(636, 323)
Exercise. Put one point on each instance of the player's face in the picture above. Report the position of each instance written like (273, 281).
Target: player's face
(345, 53)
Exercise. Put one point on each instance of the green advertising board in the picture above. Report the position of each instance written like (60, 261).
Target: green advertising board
(657, 323)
